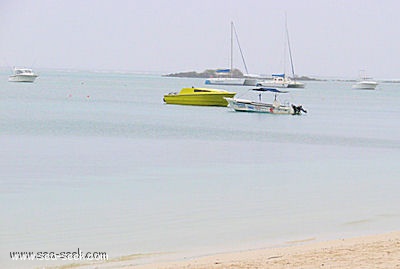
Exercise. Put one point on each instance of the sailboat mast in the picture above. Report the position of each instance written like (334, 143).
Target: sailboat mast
(240, 49)
(290, 50)
(231, 48)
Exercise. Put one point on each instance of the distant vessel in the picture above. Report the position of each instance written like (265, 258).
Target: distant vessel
(365, 82)
(277, 81)
(225, 81)
(276, 107)
(230, 80)
(225, 76)
(366, 85)
(281, 80)
(198, 97)
(22, 75)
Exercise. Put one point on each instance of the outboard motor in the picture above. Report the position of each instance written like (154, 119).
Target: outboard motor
(298, 109)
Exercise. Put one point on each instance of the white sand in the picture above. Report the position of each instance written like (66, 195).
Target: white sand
(377, 251)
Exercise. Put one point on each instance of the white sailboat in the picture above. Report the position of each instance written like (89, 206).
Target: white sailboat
(281, 80)
(225, 76)
(294, 83)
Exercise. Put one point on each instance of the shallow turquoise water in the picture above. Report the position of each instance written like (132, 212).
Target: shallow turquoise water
(97, 161)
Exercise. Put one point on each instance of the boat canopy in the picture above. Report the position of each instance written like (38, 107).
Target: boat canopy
(279, 75)
(262, 89)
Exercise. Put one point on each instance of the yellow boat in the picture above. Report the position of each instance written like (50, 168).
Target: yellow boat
(199, 97)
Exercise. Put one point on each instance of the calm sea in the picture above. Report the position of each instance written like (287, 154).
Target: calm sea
(97, 161)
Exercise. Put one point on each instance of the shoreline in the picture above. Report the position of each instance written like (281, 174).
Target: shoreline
(372, 251)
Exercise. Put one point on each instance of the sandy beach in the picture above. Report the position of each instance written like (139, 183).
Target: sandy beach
(376, 251)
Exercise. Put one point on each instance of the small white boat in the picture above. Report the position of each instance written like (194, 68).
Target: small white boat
(276, 107)
(22, 75)
(280, 81)
(365, 84)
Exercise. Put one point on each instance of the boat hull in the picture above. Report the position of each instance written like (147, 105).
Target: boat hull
(225, 81)
(273, 84)
(209, 99)
(365, 85)
(249, 106)
(250, 82)
(22, 78)
(283, 84)
(296, 84)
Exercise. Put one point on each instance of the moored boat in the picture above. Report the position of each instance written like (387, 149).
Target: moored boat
(276, 107)
(365, 85)
(280, 81)
(277, 81)
(295, 84)
(365, 82)
(199, 97)
(225, 81)
(229, 76)
(22, 75)
(231, 81)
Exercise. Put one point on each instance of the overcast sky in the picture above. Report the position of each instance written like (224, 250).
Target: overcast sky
(328, 38)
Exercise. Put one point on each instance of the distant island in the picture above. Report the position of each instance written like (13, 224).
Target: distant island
(209, 73)
(305, 78)
(213, 73)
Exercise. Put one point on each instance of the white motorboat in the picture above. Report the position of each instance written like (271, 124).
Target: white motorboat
(365, 85)
(22, 75)
(276, 107)
(365, 82)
